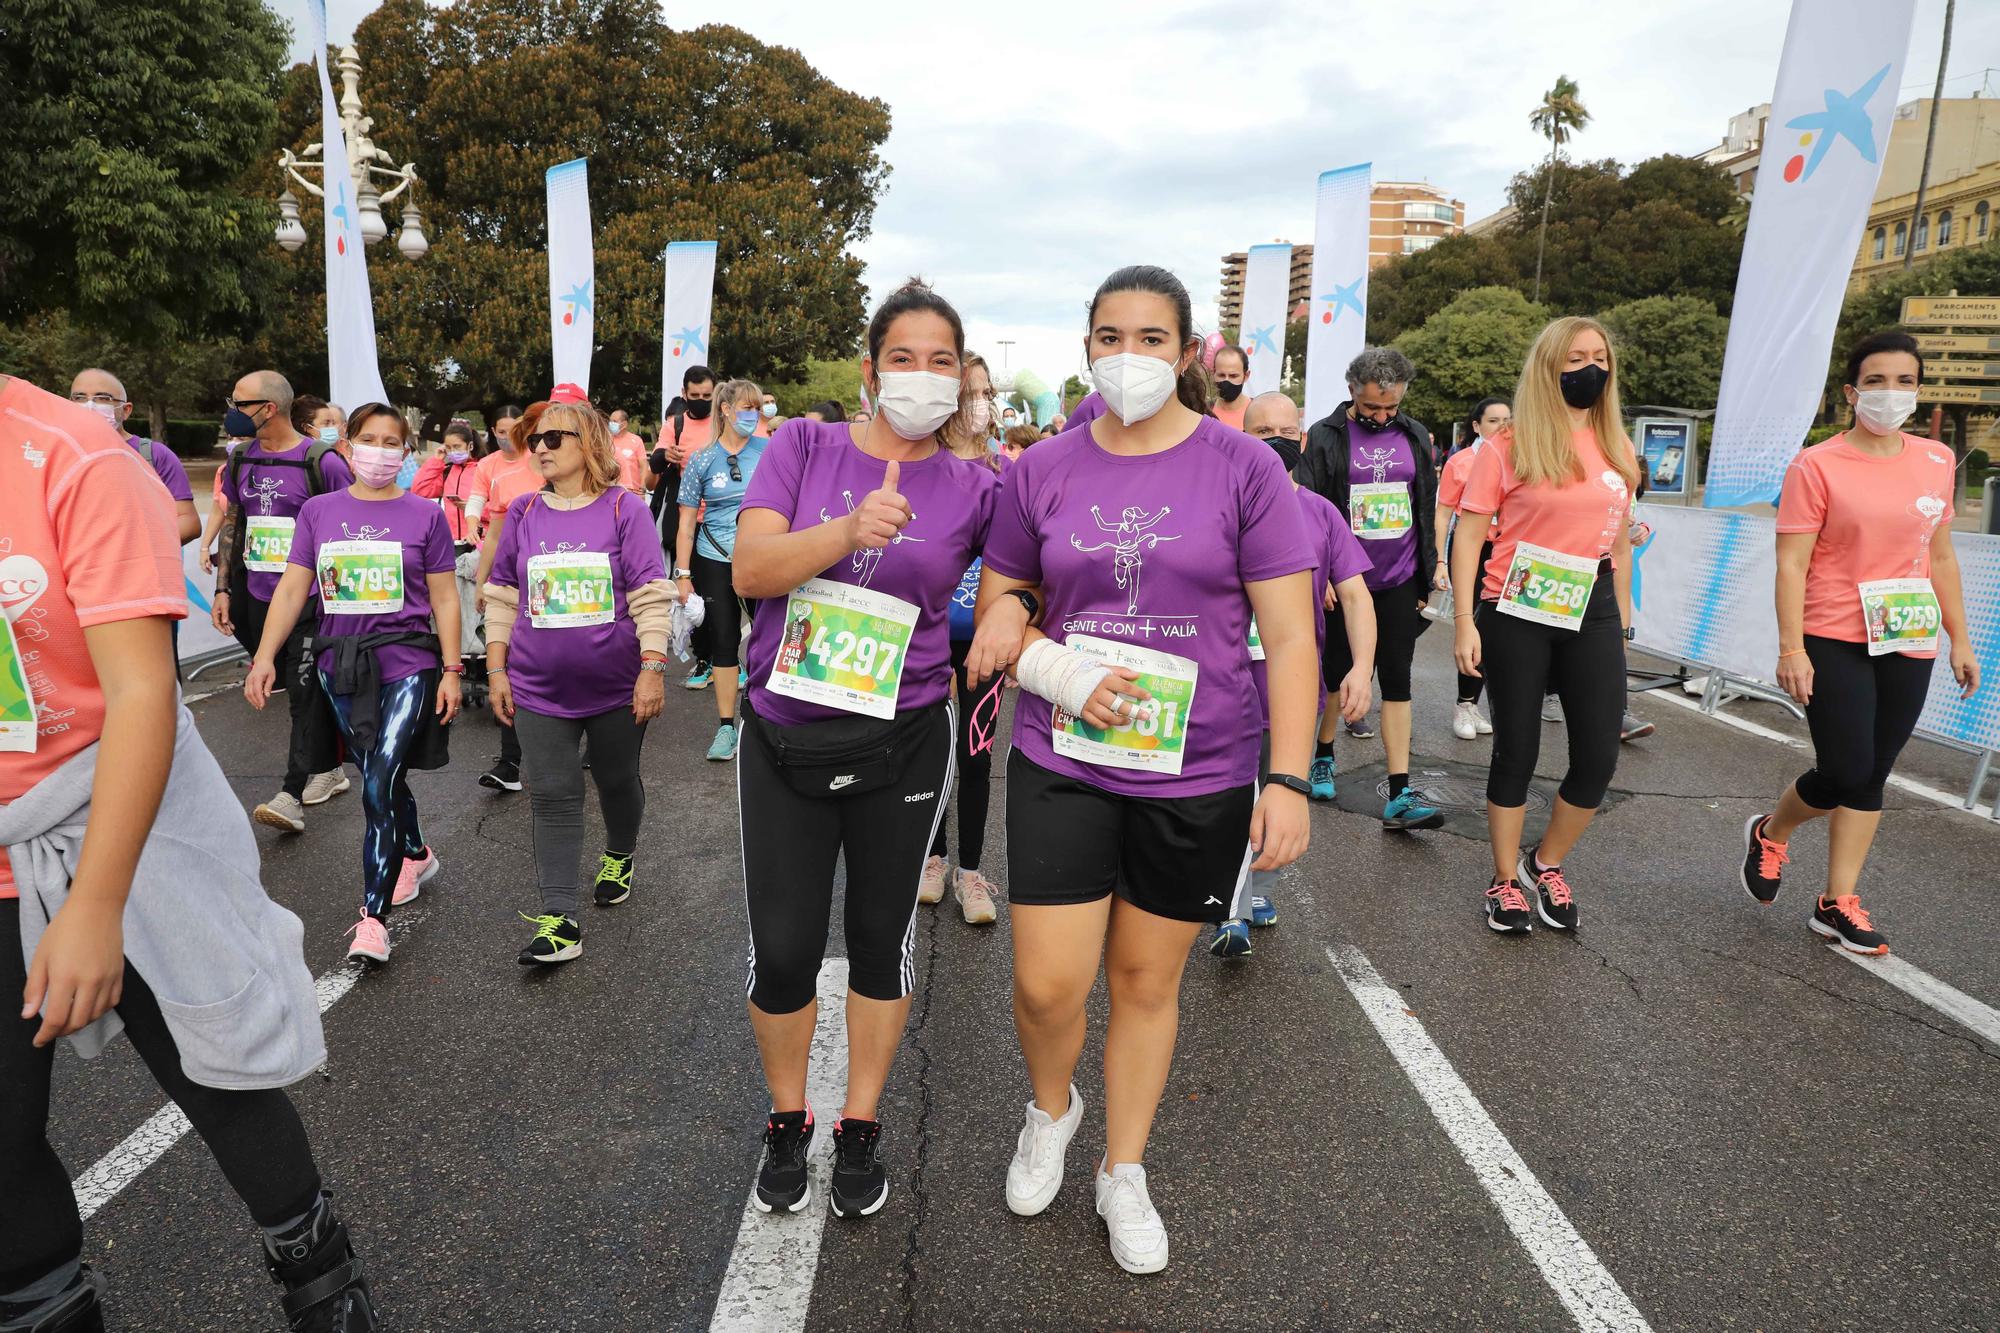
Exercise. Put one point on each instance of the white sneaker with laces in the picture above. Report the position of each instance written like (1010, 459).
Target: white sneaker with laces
(1138, 1237)
(1036, 1172)
(1463, 725)
(323, 787)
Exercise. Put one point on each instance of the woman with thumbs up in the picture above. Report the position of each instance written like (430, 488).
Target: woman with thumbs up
(851, 539)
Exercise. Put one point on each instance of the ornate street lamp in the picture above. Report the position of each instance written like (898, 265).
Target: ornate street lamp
(366, 165)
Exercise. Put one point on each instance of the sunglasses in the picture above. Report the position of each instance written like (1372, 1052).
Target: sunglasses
(551, 439)
(245, 404)
(735, 468)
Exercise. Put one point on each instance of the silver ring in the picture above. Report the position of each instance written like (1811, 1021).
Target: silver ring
(1118, 704)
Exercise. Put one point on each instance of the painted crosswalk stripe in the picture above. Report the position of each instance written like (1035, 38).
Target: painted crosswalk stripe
(111, 1173)
(1583, 1285)
(768, 1286)
(1918, 984)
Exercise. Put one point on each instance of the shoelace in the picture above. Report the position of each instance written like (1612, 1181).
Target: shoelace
(971, 882)
(355, 929)
(1509, 896)
(1849, 906)
(616, 869)
(1554, 884)
(1771, 856)
(546, 927)
(794, 1151)
(856, 1147)
(1128, 1206)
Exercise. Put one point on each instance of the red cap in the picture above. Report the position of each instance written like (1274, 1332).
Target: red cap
(568, 393)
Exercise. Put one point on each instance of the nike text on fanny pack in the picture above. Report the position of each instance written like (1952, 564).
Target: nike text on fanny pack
(845, 780)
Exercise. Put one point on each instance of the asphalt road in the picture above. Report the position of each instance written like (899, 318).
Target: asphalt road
(1745, 1130)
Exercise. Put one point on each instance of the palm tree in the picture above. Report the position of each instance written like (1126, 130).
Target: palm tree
(1559, 116)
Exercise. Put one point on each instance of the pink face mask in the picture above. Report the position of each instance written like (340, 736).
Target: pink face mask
(375, 465)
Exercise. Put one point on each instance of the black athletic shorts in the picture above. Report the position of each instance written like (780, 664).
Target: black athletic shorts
(1174, 856)
(1398, 623)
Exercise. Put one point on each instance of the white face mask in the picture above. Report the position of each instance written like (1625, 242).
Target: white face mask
(979, 413)
(1884, 410)
(1134, 386)
(617, 427)
(916, 402)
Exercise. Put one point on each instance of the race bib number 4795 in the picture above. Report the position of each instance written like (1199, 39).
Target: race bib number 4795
(358, 578)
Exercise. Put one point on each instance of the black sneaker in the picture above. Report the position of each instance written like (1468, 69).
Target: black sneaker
(557, 940)
(503, 776)
(1507, 910)
(614, 879)
(1843, 920)
(860, 1182)
(325, 1288)
(782, 1182)
(1763, 861)
(1553, 901)
(78, 1309)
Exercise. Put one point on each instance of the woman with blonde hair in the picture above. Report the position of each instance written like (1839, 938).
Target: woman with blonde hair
(710, 495)
(576, 639)
(1554, 607)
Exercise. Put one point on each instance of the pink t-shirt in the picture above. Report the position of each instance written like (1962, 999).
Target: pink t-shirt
(1875, 518)
(1231, 414)
(1581, 518)
(1452, 476)
(631, 452)
(87, 537)
(489, 483)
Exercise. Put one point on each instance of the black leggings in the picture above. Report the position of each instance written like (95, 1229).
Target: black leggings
(720, 638)
(790, 842)
(1862, 712)
(1469, 687)
(1585, 667)
(1398, 625)
(256, 1137)
(975, 771)
(555, 793)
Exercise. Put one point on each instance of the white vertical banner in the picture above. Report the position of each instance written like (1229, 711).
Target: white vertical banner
(1338, 327)
(1267, 283)
(572, 273)
(1823, 148)
(353, 375)
(690, 306)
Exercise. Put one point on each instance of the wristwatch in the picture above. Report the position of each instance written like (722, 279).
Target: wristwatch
(680, 574)
(1029, 601)
(1286, 780)
(1631, 632)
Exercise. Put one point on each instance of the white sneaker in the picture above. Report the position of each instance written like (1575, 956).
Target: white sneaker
(1463, 724)
(930, 886)
(282, 811)
(1138, 1237)
(1036, 1172)
(323, 787)
(1479, 722)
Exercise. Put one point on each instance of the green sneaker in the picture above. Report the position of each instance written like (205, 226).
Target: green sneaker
(723, 747)
(557, 940)
(614, 879)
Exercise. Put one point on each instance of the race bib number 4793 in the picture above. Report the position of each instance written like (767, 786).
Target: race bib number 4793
(267, 542)
(844, 647)
(1155, 744)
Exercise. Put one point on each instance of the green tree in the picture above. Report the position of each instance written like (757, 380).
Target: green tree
(1471, 348)
(1560, 115)
(128, 127)
(1669, 350)
(160, 378)
(838, 379)
(690, 135)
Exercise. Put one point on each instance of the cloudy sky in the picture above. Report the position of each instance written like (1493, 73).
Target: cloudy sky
(1039, 145)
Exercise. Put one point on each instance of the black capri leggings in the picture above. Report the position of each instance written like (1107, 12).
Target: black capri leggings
(975, 771)
(1469, 687)
(256, 1136)
(1862, 712)
(1398, 625)
(1585, 667)
(790, 843)
(720, 638)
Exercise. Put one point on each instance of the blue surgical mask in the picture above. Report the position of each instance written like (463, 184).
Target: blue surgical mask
(746, 421)
(770, 409)
(329, 435)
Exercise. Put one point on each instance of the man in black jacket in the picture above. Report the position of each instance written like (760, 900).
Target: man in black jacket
(1377, 467)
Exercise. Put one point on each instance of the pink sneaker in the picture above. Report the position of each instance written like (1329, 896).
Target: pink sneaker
(930, 885)
(414, 876)
(371, 939)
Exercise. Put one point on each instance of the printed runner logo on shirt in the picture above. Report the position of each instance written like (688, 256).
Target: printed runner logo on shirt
(267, 542)
(17, 702)
(570, 588)
(1548, 587)
(1153, 745)
(844, 648)
(1380, 510)
(361, 578)
(1902, 616)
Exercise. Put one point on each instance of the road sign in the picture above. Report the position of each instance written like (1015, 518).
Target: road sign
(1951, 310)
(1957, 342)
(1982, 395)
(1945, 369)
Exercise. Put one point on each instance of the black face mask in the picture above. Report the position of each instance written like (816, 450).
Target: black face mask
(1375, 427)
(698, 408)
(1227, 391)
(1288, 450)
(1581, 388)
(238, 424)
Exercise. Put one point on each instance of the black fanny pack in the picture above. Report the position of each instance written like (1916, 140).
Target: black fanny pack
(845, 756)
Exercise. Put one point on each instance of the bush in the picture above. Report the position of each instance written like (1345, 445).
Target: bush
(191, 439)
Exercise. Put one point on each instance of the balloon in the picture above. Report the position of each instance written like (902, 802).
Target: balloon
(1214, 343)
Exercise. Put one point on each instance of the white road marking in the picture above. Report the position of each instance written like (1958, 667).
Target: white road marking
(101, 1183)
(769, 1284)
(1583, 1285)
(1920, 985)
(1896, 780)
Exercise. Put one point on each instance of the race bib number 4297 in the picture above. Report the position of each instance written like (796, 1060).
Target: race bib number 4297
(844, 647)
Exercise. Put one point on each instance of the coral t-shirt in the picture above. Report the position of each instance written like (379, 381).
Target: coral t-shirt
(87, 537)
(493, 481)
(1875, 518)
(1231, 414)
(1579, 518)
(630, 449)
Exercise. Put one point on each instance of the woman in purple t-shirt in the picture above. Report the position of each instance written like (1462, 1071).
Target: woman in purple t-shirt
(576, 643)
(1147, 540)
(386, 650)
(853, 536)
